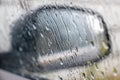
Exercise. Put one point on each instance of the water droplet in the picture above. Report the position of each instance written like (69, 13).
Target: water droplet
(102, 73)
(49, 42)
(71, 3)
(41, 35)
(96, 66)
(92, 76)
(68, 31)
(47, 28)
(72, 57)
(34, 27)
(61, 61)
(20, 49)
(74, 78)
(50, 62)
(92, 43)
(29, 33)
(105, 46)
(75, 54)
(114, 71)
(76, 48)
(84, 76)
(56, 14)
(60, 78)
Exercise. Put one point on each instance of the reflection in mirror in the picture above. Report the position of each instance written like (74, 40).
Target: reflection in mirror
(56, 37)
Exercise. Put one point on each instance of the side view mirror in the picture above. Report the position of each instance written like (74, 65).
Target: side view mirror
(57, 37)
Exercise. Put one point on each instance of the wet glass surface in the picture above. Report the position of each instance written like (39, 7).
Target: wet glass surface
(61, 41)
